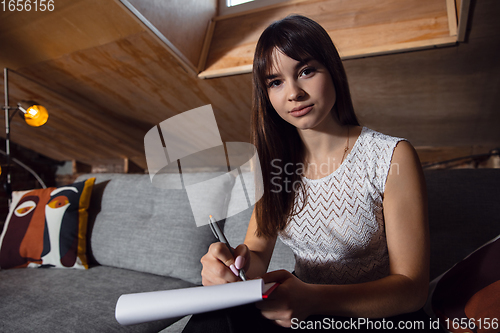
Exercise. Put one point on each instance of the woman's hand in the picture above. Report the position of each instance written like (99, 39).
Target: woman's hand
(220, 266)
(290, 300)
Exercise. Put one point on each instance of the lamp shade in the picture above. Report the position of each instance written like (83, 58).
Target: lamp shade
(36, 115)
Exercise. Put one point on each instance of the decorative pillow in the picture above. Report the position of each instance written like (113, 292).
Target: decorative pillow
(47, 228)
(467, 297)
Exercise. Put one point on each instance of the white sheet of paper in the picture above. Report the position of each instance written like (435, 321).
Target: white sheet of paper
(144, 307)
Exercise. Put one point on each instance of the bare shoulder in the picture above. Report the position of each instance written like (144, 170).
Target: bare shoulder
(405, 173)
(405, 154)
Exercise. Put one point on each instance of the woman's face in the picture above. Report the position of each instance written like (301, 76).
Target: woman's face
(302, 93)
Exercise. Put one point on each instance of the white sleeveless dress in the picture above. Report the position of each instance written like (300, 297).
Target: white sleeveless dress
(339, 236)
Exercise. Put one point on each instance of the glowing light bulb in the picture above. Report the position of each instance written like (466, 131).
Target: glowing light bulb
(36, 115)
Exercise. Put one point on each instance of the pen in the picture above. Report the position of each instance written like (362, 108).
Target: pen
(222, 238)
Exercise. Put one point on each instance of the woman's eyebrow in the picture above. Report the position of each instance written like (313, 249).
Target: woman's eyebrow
(271, 77)
(300, 64)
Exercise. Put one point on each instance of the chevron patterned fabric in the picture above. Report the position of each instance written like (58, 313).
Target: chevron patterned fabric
(339, 235)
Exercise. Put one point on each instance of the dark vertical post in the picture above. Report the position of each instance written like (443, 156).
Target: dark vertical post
(6, 107)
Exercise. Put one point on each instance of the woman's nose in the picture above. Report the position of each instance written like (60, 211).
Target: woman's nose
(295, 92)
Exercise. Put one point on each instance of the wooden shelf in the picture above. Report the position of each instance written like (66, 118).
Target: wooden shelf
(359, 28)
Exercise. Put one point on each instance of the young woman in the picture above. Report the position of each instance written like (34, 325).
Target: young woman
(349, 201)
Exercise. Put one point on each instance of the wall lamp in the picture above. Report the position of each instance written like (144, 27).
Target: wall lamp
(34, 115)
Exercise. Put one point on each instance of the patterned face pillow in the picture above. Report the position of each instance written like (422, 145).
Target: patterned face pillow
(47, 228)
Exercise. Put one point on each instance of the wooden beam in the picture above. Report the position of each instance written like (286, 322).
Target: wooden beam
(206, 45)
(226, 72)
(431, 155)
(463, 18)
(458, 6)
(401, 47)
(131, 167)
(79, 167)
(173, 50)
(452, 16)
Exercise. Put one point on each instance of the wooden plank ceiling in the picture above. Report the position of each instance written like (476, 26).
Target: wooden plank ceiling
(106, 79)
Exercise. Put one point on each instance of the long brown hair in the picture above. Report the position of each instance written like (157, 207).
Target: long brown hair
(278, 142)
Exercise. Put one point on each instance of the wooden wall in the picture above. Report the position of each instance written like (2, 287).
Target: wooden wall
(106, 80)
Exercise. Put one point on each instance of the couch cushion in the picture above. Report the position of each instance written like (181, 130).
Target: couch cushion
(47, 227)
(49, 300)
(463, 213)
(138, 226)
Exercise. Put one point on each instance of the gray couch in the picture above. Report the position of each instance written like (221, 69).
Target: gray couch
(143, 239)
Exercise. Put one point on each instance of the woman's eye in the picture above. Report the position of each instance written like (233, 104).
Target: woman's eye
(307, 71)
(274, 83)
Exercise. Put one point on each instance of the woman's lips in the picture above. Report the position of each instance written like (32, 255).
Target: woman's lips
(299, 112)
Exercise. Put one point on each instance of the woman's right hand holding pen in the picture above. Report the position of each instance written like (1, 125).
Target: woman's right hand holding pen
(220, 266)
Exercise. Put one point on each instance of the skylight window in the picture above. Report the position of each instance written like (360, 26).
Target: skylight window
(227, 7)
(231, 3)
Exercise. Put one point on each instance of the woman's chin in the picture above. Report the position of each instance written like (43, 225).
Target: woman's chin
(304, 126)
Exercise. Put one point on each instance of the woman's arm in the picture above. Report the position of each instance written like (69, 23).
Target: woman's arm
(261, 250)
(404, 290)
